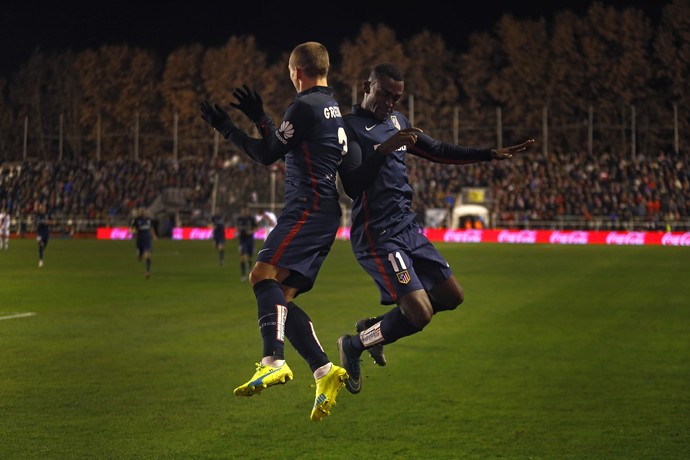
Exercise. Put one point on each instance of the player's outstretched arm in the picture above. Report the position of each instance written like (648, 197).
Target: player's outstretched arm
(218, 118)
(506, 153)
(357, 175)
(250, 103)
(405, 137)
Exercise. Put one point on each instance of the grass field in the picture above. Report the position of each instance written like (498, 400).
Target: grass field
(559, 352)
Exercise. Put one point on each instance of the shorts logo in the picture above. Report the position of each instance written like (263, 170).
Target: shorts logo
(403, 277)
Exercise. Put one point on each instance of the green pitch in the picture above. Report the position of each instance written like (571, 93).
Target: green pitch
(559, 352)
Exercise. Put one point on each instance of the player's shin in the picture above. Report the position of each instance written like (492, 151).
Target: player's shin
(300, 331)
(272, 316)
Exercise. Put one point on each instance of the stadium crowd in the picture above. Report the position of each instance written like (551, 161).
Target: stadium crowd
(108, 191)
(527, 190)
(537, 188)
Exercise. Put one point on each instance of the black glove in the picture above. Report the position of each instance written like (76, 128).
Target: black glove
(249, 102)
(218, 118)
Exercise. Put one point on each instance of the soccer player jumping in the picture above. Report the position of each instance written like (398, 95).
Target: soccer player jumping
(385, 236)
(311, 140)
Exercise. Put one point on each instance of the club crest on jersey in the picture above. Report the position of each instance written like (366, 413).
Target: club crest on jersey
(395, 121)
(285, 132)
(403, 277)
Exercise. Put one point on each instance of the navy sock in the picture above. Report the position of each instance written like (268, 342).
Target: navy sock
(270, 300)
(40, 252)
(148, 265)
(222, 255)
(243, 268)
(300, 331)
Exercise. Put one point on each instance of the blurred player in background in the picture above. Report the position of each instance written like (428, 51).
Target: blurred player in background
(385, 235)
(245, 225)
(268, 221)
(42, 220)
(4, 228)
(218, 223)
(144, 234)
(311, 141)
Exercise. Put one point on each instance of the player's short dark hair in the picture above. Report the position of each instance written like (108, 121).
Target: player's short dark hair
(387, 69)
(312, 58)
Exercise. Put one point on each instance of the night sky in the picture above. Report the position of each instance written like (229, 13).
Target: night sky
(277, 26)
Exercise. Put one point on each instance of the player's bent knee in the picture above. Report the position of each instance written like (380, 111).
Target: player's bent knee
(255, 277)
(418, 311)
(447, 299)
(424, 319)
(263, 271)
(459, 299)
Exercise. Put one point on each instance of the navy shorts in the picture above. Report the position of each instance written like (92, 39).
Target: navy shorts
(300, 243)
(42, 237)
(246, 246)
(144, 245)
(404, 263)
(219, 235)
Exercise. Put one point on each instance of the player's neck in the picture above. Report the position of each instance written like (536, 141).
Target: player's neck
(310, 83)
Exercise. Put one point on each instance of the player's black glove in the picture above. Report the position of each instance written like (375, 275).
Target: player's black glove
(218, 118)
(249, 102)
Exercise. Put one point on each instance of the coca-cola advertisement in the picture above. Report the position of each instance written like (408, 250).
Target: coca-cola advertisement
(676, 239)
(501, 236)
(113, 233)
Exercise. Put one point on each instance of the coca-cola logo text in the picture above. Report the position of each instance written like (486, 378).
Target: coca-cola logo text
(569, 238)
(120, 234)
(682, 239)
(463, 236)
(200, 233)
(521, 237)
(628, 238)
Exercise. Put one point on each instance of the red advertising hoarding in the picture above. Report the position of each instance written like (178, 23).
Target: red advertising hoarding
(507, 236)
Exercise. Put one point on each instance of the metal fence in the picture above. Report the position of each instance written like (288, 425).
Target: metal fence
(633, 131)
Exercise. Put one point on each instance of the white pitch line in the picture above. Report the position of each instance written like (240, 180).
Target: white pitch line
(17, 315)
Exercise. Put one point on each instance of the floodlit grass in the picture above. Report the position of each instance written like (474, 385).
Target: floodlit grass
(559, 352)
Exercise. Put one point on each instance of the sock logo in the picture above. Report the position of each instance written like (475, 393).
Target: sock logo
(281, 316)
(372, 336)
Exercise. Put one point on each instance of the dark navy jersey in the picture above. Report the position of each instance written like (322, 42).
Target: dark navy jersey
(383, 202)
(245, 227)
(142, 226)
(43, 222)
(218, 222)
(311, 139)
